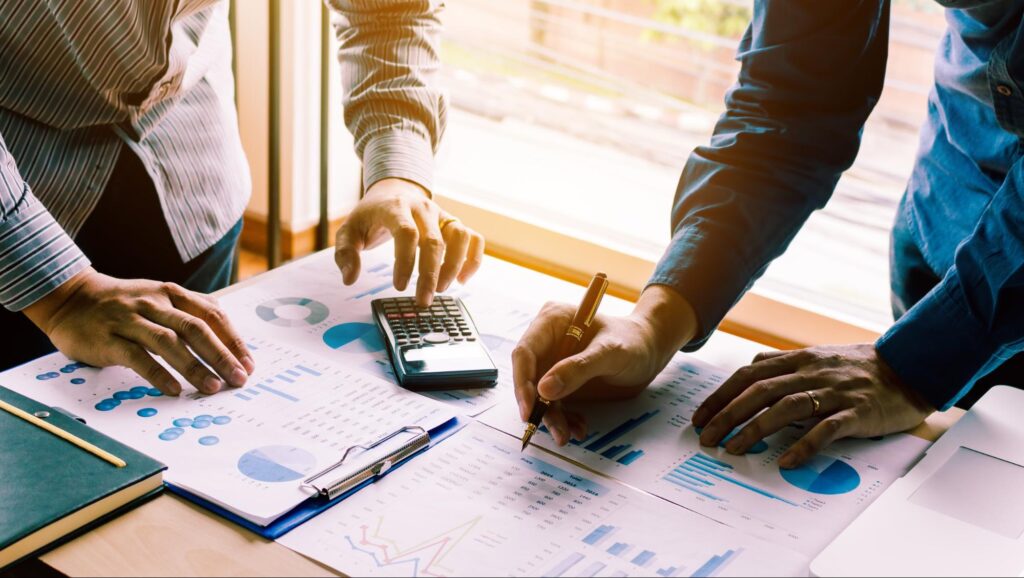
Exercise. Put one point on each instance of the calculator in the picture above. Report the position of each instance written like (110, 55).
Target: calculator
(434, 348)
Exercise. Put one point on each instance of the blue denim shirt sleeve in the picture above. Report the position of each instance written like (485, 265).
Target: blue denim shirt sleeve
(811, 72)
(974, 319)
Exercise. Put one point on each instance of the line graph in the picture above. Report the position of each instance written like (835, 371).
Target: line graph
(424, 558)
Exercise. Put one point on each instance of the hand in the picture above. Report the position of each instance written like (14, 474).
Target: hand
(859, 396)
(105, 321)
(621, 358)
(401, 209)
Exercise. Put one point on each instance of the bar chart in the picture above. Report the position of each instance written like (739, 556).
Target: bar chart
(701, 474)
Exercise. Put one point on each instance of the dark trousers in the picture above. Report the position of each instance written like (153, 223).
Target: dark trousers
(127, 237)
(912, 279)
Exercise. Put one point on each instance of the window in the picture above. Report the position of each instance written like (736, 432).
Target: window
(559, 104)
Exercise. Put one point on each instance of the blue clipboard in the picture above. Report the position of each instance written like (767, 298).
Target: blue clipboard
(310, 508)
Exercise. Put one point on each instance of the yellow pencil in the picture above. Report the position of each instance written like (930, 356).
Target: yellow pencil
(63, 434)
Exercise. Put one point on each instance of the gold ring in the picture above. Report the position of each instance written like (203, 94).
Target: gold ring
(447, 221)
(815, 404)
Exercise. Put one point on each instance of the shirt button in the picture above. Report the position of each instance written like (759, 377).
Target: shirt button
(1004, 90)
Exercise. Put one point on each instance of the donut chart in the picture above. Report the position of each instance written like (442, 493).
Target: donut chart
(292, 312)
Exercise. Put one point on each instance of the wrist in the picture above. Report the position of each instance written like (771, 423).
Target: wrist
(397, 185)
(45, 312)
(670, 317)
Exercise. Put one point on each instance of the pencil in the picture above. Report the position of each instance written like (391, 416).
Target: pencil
(63, 434)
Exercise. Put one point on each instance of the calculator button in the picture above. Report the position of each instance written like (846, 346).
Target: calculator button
(402, 341)
(457, 339)
(394, 316)
(467, 333)
(471, 338)
(409, 315)
(436, 338)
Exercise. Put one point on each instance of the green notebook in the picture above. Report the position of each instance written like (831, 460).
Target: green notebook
(51, 490)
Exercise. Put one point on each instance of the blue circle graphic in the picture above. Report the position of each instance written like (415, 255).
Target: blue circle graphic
(169, 436)
(78, 381)
(122, 395)
(274, 464)
(107, 404)
(201, 424)
(209, 440)
(182, 422)
(316, 311)
(347, 333)
(154, 392)
(146, 412)
(204, 417)
(222, 420)
(823, 475)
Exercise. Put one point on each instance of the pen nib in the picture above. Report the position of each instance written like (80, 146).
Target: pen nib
(528, 435)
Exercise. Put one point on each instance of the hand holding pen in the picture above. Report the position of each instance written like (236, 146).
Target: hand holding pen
(620, 357)
(570, 343)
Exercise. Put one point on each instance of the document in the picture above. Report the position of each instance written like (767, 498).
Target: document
(475, 506)
(649, 442)
(246, 450)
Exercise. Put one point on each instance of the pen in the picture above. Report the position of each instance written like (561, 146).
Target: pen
(70, 438)
(570, 345)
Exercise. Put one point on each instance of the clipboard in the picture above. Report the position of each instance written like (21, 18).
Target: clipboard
(369, 463)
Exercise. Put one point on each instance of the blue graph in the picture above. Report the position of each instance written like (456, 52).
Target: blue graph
(823, 475)
(274, 464)
(715, 565)
(346, 334)
(605, 444)
(281, 385)
(597, 536)
(700, 474)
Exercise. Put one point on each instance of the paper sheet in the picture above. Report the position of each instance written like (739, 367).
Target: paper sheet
(474, 506)
(649, 442)
(247, 449)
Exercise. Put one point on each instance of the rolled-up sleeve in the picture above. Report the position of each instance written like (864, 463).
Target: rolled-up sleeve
(390, 64)
(973, 320)
(36, 254)
(811, 72)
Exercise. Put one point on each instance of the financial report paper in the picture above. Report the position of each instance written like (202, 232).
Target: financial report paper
(649, 442)
(246, 450)
(476, 506)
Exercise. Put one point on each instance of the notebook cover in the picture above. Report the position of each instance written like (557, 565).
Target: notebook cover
(44, 478)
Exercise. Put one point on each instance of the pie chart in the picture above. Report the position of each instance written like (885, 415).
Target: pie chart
(823, 475)
(363, 336)
(292, 312)
(275, 464)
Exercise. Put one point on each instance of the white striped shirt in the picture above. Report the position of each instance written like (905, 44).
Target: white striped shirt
(80, 80)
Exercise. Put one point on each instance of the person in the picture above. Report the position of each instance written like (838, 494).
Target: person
(123, 180)
(810, 75)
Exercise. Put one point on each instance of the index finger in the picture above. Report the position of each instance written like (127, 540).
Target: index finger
(431, 253)
(535, 345)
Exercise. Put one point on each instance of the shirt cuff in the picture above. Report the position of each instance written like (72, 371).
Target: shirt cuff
(711, 280)
(36, 255)
(399, 155)
(939, 348)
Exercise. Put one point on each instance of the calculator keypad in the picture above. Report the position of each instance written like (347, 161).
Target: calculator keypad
(412, 325)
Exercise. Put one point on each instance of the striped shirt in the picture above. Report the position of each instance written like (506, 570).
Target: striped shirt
(81, 81)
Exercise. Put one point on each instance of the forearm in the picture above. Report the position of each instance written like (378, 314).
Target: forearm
(393, 105)
(36, 255)
(791, 127)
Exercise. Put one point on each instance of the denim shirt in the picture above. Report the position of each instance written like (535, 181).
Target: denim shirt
(811, 72)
